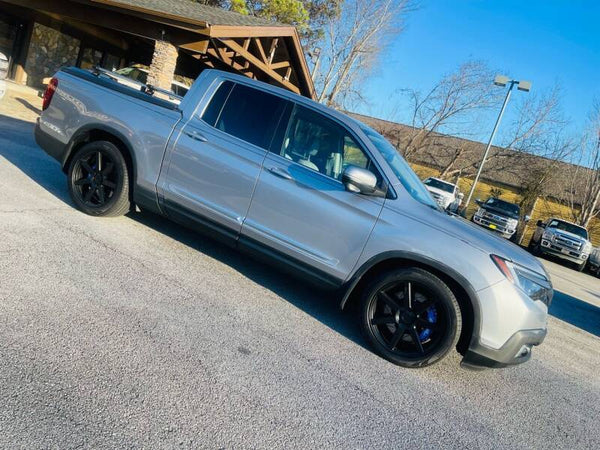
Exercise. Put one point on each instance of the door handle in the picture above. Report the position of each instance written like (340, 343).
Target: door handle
(195, 135)
(281, 173)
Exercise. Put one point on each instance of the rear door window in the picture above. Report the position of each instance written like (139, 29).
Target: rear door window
(246, 113)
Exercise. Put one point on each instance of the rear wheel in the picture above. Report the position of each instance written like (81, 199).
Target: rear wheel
(99, 181)
(410, 317)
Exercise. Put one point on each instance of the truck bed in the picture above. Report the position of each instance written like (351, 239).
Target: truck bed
(121, 88)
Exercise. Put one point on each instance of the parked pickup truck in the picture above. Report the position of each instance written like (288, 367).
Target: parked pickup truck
(563, 239)
(499, 216)
(446, 194)
(312, 191)
(594, 262)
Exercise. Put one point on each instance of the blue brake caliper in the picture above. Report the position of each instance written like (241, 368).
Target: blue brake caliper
(431, 318)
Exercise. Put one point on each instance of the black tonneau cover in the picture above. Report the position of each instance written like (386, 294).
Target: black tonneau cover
(121, 88)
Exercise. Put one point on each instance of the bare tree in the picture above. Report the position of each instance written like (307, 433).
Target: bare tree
(449, 107)
(583, 193)
(536, 130)
(352, 44)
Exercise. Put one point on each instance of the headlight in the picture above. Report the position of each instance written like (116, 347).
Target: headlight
(547, 235)
(512, 224)
(480, 212)
(535, 285)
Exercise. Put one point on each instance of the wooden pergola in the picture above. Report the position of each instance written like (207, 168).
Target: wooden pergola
(216, 38)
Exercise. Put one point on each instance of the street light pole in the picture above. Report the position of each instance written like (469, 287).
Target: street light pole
(500, 81)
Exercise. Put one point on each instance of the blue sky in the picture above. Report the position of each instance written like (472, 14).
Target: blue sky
(542, 41)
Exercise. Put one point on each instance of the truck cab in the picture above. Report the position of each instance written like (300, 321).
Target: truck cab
(565, 240)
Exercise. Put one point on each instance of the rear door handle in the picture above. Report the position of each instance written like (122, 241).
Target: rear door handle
(281, 173)
(195, 135)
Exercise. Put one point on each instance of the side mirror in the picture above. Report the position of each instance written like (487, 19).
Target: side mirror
(479, 201)
(527, 218)
(359, 180)
(540, 224)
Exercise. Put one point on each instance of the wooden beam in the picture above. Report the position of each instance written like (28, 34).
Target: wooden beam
(261, 50)
(274, 43)
(280, 65)
(261, 65)
(200, 46)
(232, 31)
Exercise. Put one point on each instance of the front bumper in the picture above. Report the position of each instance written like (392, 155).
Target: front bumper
(516, 350)
(555, 250)
(510, 324)
(491, 225)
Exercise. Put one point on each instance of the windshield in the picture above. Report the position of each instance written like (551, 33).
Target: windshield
(439, 184)
(400, 167)
(509, 208)
(569, 228)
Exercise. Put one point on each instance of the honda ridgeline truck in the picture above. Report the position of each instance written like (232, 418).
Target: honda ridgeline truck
(311, 190)
(563, 239)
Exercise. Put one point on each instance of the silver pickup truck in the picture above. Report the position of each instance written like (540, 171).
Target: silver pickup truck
(308, 189)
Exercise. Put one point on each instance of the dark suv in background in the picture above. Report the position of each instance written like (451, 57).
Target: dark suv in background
(499, 216)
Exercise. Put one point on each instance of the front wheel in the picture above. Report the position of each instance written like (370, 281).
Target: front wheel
(410, 317)
(99, 181)
(580, 267)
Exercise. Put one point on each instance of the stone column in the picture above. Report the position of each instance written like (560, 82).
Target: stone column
(163, 65)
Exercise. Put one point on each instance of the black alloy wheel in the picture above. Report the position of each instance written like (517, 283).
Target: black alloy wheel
(98, 180)
(411, 317)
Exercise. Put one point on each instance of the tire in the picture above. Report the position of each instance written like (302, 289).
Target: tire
(103, 192)
(410, 317)
(513, 238)
(580, 267)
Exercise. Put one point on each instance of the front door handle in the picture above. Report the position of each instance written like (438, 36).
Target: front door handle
(195, 135)
(281, 173)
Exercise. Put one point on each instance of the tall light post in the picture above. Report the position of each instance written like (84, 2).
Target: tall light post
(502, 81)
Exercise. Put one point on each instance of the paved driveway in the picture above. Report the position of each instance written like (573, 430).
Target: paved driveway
(134, 332)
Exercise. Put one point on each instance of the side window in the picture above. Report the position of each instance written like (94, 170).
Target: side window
(247, 113)
(314, 141)
(215, 106)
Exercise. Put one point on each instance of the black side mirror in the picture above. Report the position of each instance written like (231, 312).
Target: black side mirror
(541, 224)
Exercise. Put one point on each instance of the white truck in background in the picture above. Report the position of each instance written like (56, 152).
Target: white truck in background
(446, 194)
(563, 239)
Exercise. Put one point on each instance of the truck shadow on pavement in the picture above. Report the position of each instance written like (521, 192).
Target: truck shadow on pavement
(581, 314)
(320, 304)
(18, 146)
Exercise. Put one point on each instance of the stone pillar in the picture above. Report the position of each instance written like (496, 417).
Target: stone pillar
(163, 65)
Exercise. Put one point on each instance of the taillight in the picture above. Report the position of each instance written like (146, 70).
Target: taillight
(49, 93)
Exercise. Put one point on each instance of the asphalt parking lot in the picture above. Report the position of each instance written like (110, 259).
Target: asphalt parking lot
(134, 332)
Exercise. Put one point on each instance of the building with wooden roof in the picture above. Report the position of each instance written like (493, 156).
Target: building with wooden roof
(174, 38)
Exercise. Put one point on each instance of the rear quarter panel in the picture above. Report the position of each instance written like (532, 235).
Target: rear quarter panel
(78, 106)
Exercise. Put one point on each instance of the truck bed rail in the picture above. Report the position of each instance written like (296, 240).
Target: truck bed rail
(110, 81)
